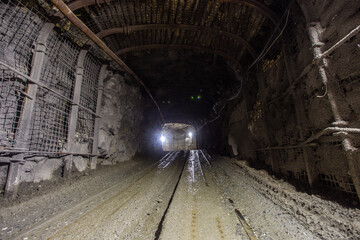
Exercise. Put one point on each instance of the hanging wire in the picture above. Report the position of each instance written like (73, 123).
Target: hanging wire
(270, 43)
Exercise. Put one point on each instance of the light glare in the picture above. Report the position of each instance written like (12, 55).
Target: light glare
(162, 138)
(190, 134)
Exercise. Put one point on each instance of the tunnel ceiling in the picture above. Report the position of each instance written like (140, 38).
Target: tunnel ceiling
(180, 48)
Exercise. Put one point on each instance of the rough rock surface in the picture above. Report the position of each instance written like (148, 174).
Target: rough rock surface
(121, 113)
(292, 104)
(39, 171)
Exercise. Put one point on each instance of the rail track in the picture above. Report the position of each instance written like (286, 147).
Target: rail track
(184, 195)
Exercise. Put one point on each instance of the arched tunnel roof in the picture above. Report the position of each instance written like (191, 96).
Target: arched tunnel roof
(182, 49)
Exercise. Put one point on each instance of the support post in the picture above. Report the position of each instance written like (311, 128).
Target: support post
(74, 112)
(22, 138)
(315, 30)
(102, 76)
(301, 119)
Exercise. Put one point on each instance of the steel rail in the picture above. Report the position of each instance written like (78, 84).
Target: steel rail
(246, 225)
(90, 34)
(207, 161)
(138, 175)
(201, 170)
(351, 34)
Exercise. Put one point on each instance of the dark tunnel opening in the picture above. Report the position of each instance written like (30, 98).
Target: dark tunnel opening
(179, 119)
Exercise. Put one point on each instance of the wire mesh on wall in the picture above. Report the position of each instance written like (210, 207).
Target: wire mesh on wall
(51, 118)
(88, 97)
(11, 101)
(20, 27)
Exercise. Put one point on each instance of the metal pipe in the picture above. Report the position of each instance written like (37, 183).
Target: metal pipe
(315, 31)
(305, 71)
(78, 23)
(286, 147)
(25, 94)
(341, 42)
(331, 129)
(307, 143)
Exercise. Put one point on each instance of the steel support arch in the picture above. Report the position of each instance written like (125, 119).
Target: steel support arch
(135, 28)
(183, 46)
(263, 9)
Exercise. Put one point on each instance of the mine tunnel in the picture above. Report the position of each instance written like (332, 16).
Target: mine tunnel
(179, 119)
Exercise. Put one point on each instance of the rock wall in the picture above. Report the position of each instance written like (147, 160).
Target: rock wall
(293, 105)
(121, 110)
(121, 117)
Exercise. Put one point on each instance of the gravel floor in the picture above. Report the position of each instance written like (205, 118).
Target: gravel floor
(179, 197)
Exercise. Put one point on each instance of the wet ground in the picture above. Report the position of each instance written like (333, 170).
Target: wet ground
(184, 195)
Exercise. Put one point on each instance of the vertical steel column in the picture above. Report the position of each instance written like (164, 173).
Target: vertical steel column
(311, 172)
(74, 112)
(22, 138)
(102, 76)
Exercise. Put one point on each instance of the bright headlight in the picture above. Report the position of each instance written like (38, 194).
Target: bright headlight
(190, 134)
(162, 138)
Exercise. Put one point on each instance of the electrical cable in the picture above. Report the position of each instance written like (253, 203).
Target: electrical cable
(263, 53)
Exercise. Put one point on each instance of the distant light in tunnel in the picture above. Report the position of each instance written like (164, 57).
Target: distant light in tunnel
(199, 97)
(190, 134)
(162, 139)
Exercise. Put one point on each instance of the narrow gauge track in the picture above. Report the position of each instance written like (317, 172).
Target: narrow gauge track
(64, 221)
(184, 195)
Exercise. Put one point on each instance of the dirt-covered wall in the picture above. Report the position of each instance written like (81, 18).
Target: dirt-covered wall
(293, 104)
